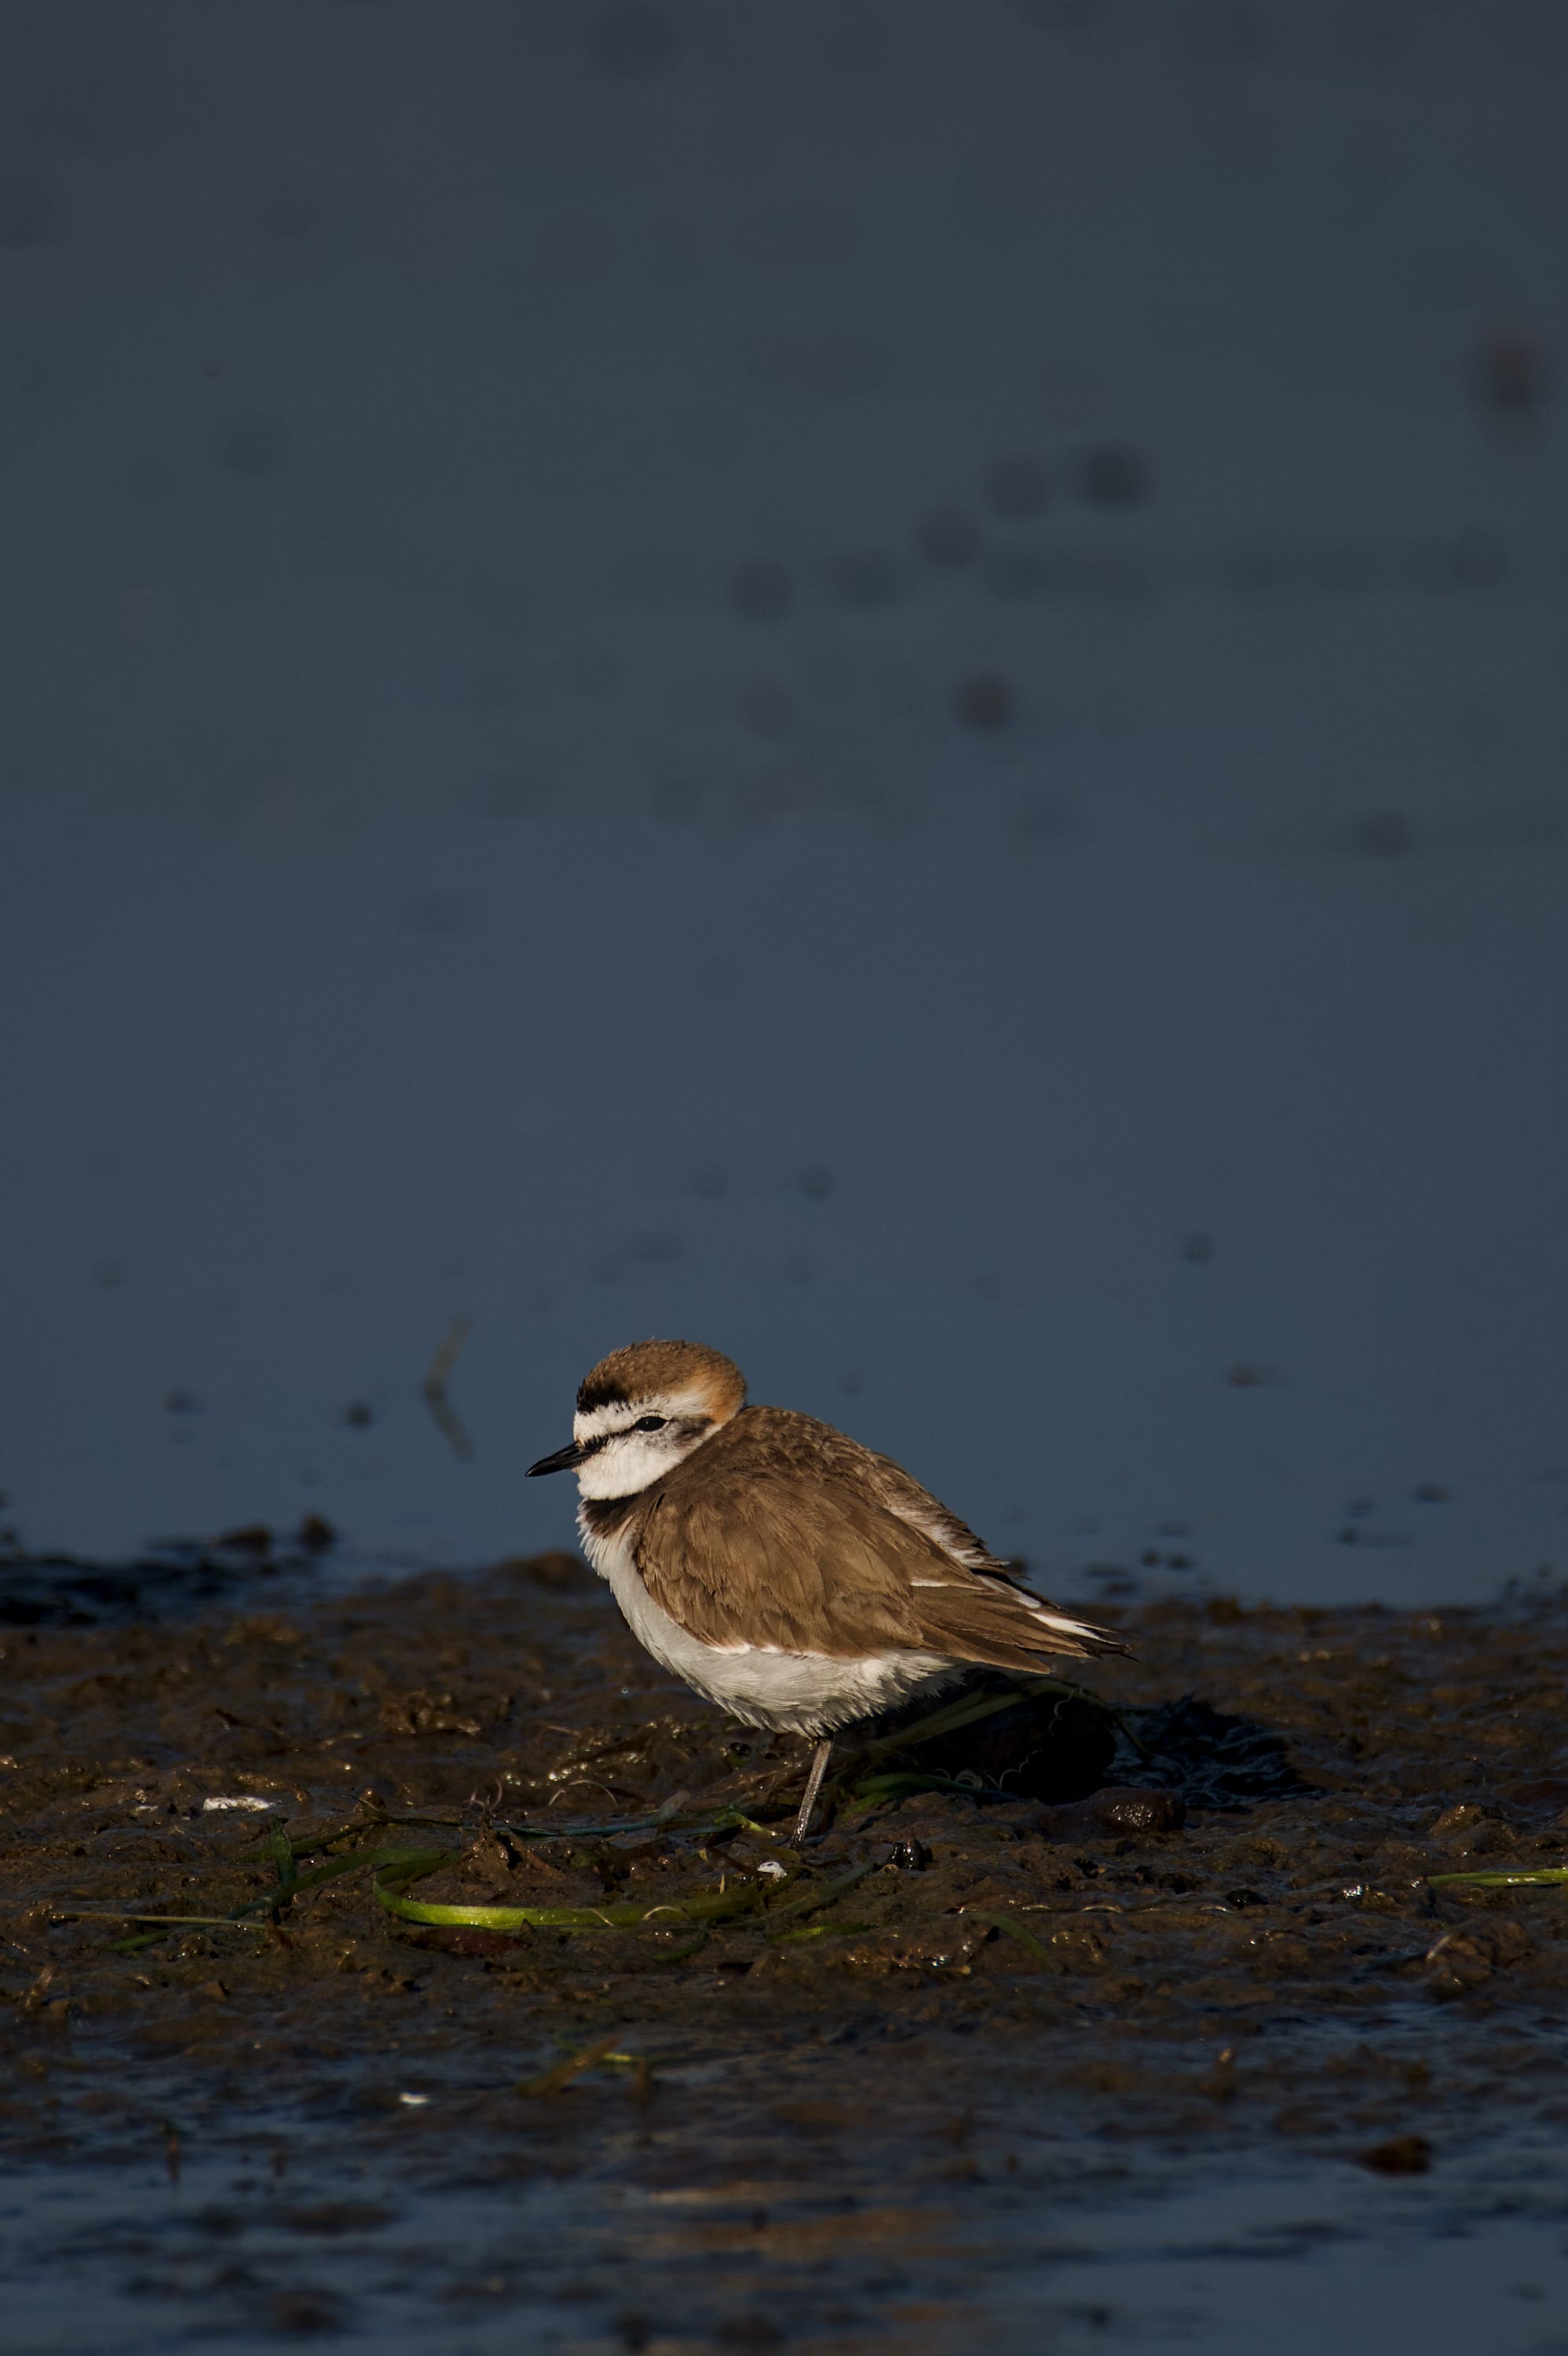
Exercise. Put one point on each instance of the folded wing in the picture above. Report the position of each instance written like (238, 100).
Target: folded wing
(768, 1556)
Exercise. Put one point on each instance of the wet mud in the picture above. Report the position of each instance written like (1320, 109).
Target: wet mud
(737, 2092)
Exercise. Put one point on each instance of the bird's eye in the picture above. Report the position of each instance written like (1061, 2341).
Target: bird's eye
(650, 1423)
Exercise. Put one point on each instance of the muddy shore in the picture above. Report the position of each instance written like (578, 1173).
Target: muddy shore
(1234, 1949)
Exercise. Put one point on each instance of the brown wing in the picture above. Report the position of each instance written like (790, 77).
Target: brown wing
(780, 1439)
(746, 1544)
(903, 1495)
(767, 1558)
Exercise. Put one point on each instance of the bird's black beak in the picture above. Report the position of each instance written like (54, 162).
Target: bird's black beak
(562, 1461)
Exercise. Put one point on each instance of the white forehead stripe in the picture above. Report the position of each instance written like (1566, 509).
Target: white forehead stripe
(620, 1415)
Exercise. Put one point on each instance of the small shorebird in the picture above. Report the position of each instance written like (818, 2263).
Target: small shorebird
(800, 1580)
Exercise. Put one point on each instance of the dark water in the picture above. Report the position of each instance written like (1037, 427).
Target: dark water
(1082, 2252)
(519, 799)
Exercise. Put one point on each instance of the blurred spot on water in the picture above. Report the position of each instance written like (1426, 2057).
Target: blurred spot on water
(20, 763)
(1113, 474)
(1036, 819)
(854, 37)
(1528, 825)
(1084, 576)
(634, 42)
(478, 686)
(282, 209)
(106, 91)
(716, 977)
(1016, 486)
(1466, 561)
(767, 709)
(612, 1267)
(1476, 722)
(865, 577)
(835, 363)
(592, 671)
(32, 211)
(1198, 1247)
(761, 592)
(1013, 574)
(182, 1402)
(30, 385)
(1375, 34)
(711, 1181)
(1220, 32)
(1276, 568)
(1114, 714)
(358, 1414)
(815, 1181)
(888, 809)
(507, 794)
(562, 253)
(434, 909)
(1391, 835)
(1072, 395)
(809, 232)
(251, 443)
(1058, 16)
(676, 797)
(1382, 834)
(781, 793)
(984, 701)
(1510, 380)
(947, 537)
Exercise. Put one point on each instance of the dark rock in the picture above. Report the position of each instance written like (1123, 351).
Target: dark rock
(1408, 2155)
(1118, 1808)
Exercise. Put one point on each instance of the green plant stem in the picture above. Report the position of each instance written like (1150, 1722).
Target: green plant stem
(1539, 1877)
(1014, 1930)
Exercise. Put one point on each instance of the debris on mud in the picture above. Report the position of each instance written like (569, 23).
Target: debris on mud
(174, 1577)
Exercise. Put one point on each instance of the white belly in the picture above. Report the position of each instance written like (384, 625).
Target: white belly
(790, 1693)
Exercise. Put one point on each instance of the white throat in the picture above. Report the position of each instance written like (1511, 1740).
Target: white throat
(628, 1460)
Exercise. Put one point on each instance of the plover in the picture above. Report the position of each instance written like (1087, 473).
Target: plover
(797, 1578)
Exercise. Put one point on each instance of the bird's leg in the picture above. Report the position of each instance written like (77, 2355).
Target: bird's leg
(821, 1758)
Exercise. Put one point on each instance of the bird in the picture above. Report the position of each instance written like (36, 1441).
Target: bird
(799, 1580)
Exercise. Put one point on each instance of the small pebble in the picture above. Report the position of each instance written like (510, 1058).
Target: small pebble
(1408, 2155)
